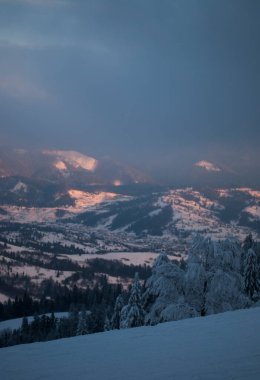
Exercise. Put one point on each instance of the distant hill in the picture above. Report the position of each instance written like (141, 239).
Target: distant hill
(67, 167)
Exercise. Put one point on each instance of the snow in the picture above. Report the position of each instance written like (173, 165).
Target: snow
(194, 212)
(253, 211)
(60, 165)
(3, 298)
(17, 249)
(19, 187)
(253, 193)
(155, 212)
(38, 274)
(75, 159)
(207, 166)
(29, 214)
(117, 182)
(228, 192)
(223, 346)
(127, 258)
(223, 193)
(84, 199)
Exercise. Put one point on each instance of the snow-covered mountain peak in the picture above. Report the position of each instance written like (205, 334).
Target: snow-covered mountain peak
(209, 166)
(72, 158)
(60, 165)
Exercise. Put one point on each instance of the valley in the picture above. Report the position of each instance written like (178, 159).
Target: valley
(70, 218)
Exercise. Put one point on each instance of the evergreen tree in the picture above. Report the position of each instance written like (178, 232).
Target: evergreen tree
(251, 273)
(196, 285)
(248, 242)
(73, 320)
(24, 330)
(224, 281)
(35, 327)
(115, 319)
(163, 292)
(107, 324)
(225, 292)
(132, 315)
(82, 328)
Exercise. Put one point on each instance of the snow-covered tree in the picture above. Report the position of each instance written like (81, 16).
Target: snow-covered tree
(73, 320)
(163, 296)
(82, 326)
(213, 278)
(203, 250)
(196, 285)
(228, 255)
(132, 314)
(115, 319)
(248, 243)
(107, 324)
(225, 293)
(252, 283)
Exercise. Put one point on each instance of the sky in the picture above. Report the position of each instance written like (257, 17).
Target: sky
(157, 84)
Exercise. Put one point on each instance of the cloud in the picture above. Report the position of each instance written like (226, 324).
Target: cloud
(22, 89)
(135, 79)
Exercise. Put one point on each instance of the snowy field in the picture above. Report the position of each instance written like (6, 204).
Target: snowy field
(127, 258)
(218, 347)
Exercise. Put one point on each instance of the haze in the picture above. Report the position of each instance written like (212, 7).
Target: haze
(157, 84)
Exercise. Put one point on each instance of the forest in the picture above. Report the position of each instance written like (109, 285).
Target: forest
(218, 276)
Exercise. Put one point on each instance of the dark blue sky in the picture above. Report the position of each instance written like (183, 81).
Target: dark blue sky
(154, 83)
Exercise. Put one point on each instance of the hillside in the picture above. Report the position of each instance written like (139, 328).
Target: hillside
(223, 346)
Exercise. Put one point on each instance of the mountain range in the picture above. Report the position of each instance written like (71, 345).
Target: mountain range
(67, 185)
(71, 168)
(66, 167)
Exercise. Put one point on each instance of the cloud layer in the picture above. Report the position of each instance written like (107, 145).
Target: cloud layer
(144, 81)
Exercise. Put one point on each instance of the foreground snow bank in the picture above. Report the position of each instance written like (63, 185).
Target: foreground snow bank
(223, 346)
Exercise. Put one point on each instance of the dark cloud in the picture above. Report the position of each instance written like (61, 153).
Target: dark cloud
(143, 81)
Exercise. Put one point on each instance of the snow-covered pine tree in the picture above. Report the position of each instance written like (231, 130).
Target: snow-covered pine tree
(82, 328)
(203, 249)
(248, 243)
(252, 283)
(225, 283)
(115, 319)
(164, 293)
(132, 314)
(107, 324)
(73, 320)
(195, 284)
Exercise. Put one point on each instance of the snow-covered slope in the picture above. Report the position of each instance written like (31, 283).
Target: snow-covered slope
(223, 346)
(82, 201)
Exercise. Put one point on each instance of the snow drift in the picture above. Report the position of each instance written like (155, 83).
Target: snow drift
(223, 346)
